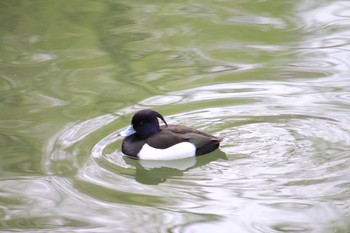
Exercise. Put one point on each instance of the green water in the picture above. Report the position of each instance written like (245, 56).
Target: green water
(271, 77)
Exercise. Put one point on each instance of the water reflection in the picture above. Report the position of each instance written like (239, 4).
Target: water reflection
(269, 76)
(267, 160)
(156, 172)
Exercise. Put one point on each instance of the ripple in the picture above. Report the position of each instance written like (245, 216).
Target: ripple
(268, 22)
(43, 57)
(7, 82)
(161, 100)
(269, 76)
(281, 146)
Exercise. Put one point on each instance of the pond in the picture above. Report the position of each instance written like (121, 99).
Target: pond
(271, 77)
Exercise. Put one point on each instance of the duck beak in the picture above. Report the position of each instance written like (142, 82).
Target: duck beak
(128, 131)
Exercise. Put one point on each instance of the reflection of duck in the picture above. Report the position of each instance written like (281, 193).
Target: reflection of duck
(156, 172)
(147, 140)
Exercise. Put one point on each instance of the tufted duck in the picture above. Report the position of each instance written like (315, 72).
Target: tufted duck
(145, 139)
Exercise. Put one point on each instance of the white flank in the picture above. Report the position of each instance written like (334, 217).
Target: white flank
(178, 151)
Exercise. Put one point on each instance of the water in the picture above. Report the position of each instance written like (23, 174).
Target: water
(271, 77)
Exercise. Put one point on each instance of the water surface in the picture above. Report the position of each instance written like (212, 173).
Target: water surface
(271, 77)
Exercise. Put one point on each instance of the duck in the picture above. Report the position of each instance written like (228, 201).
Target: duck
(145, 139)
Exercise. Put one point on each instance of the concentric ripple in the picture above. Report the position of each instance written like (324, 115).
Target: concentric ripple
(282, 152)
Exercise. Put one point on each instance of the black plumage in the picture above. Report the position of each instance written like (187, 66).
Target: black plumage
(147, 128)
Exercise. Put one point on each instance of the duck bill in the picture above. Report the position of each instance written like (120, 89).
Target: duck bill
(128, 131)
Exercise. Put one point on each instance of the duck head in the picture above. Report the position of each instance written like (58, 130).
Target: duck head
(144, 123)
